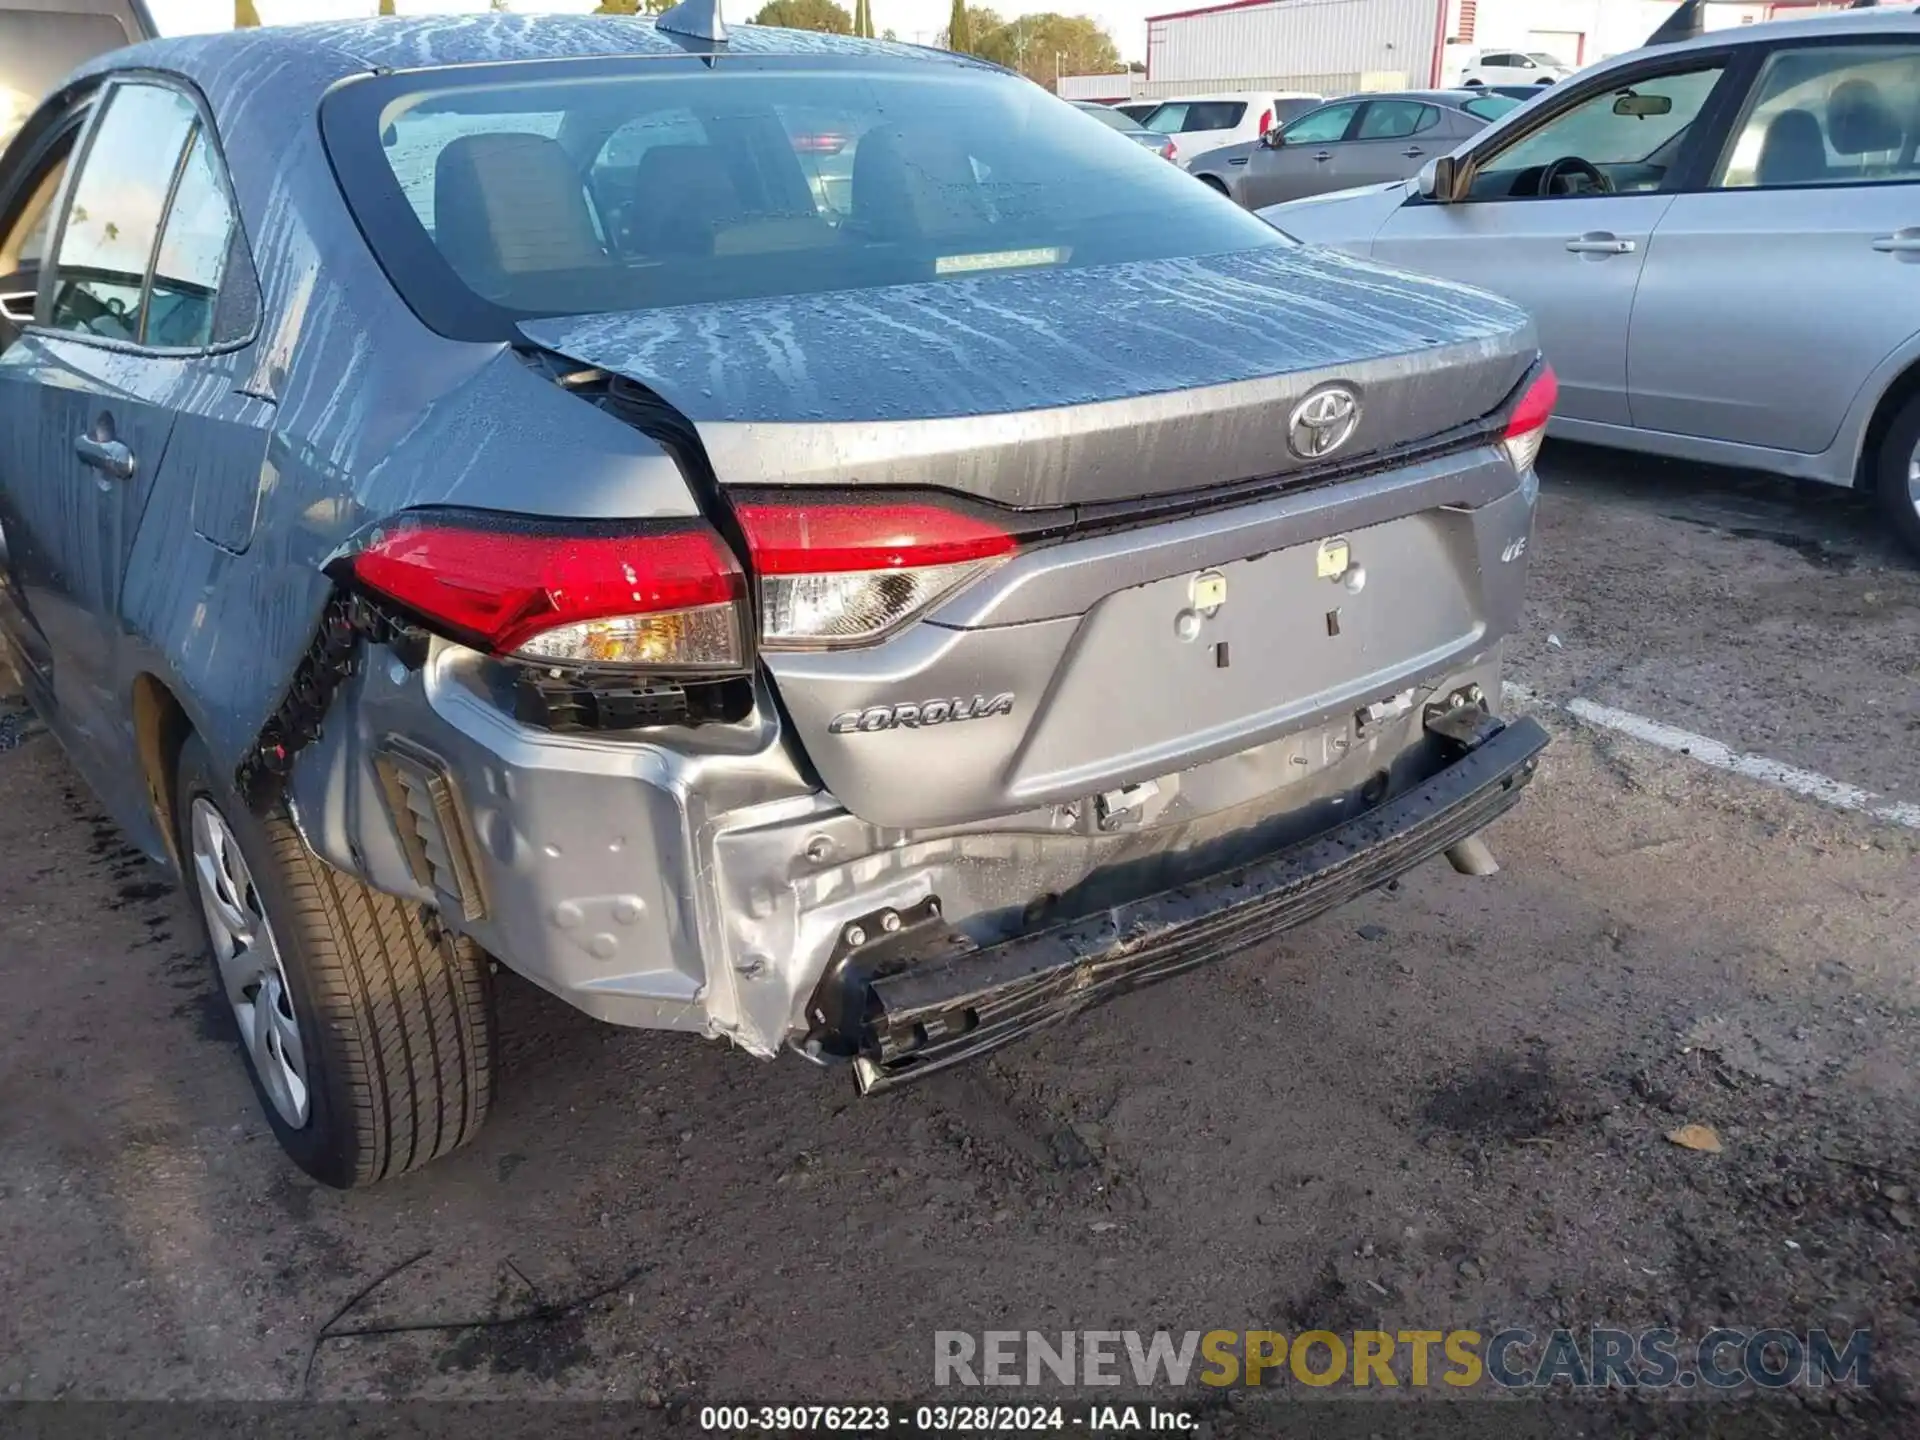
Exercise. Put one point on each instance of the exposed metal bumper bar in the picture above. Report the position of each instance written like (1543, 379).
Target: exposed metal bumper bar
(930, 1014)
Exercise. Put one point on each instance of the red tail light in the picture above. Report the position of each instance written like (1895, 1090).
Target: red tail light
(1266, 120)
(652, 596)
(1527, 427)
(840, 572)
(1169, 151)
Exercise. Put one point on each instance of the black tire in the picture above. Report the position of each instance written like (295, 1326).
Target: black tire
(1890, 473)
(395, 1015)
(1212, 184)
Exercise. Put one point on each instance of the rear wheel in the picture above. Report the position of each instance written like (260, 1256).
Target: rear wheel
(1897, 483)
(1213, 184)
(368, 1031)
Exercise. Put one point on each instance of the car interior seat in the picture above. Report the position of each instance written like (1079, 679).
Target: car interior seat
(909, 189)
(508, 204)
(1794, 151)
(1861, 123)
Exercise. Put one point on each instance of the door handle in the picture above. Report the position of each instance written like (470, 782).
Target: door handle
(109, 457)
(1237, 160)
(1323, 154)
(1413, 152)
(1599, 242)
(1903, 242)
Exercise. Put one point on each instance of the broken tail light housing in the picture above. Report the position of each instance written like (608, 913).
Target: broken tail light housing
(636, 595)
(837, 572)
(1527, 426)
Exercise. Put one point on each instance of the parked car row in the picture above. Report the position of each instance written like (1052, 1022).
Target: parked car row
(1719, 239)
(1364, 139)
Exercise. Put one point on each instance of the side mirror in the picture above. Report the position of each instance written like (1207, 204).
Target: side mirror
(1273, 139)
(1435, 180)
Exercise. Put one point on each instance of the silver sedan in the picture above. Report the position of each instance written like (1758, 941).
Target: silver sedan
(1719, 240)
(1362, 139)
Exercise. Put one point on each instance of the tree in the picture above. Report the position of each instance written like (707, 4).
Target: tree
(497, 6)
(821, 15)
(959, 34)
(1047, 45)
(630, 7)
(863, 19)
(386, 7)
(245, 17)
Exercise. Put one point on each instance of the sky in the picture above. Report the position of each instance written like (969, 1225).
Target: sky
(916, 20)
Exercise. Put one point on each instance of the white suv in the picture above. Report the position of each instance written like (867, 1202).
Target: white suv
(1199, 123)
(1513, 67)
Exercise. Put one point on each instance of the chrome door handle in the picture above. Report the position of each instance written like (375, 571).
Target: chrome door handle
(1600, 243)
(1237, 160)
(1413, 152)
(1902, 242)
(109, 457)
(1323, 154)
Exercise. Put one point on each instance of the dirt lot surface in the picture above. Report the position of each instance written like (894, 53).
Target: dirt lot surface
(1445, 1105)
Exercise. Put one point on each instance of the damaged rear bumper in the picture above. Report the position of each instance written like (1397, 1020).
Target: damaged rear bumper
(901, 1019)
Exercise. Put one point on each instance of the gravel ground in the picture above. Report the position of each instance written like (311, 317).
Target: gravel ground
(1445, 1105)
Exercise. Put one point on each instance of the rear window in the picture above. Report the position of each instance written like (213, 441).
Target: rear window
(1181, 117)
(584, 187)
(37, 49)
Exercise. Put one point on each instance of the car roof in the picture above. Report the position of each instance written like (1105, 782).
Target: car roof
(1905, 18)
(334, 50)
(1234, 95)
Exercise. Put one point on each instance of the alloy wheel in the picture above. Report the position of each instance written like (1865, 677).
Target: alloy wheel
(251, 975)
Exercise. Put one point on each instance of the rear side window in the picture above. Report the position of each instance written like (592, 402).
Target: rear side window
(113, 219)
(1489, 107)
(1396, 119)
(761, 178)
(1185, 116)
(192, 256)
(1830, 115)
(150, 228)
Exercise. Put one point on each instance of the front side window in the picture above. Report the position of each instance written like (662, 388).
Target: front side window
(760, 178)
(1829, 115)
(1622, 139)
(1396, 120)
(1322, 127)
(113, 218)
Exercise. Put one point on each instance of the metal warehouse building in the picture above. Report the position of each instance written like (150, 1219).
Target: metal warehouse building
(1334, 47)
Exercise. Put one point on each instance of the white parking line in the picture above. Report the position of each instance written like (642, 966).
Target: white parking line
(1708, 751)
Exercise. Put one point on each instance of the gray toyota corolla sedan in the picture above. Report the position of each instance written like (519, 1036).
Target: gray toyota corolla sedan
(472, 492)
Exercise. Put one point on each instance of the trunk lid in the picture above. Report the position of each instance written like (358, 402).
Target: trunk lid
(1073, 387)
(1079, 666)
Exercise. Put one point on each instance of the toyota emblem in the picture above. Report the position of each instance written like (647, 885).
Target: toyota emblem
(1323, 422)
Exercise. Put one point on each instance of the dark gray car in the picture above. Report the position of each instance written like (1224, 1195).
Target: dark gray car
(1359, 140)
(470, 492)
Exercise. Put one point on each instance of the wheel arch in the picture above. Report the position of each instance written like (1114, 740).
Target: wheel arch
(1893, 399)
(161, 728)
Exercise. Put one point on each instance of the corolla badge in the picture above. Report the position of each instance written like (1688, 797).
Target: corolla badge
(1322, 422)
(915, 716)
